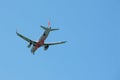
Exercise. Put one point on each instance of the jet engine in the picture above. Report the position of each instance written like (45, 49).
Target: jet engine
(29, 45)
(46, 47)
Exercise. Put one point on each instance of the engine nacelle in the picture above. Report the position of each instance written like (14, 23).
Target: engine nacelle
(46, 47)
(29, 45)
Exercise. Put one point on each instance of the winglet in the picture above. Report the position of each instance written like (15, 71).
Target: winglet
(16, 31)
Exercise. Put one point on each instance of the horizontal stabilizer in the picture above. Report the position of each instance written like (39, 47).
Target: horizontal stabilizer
(44, 27)
(49, 28)
(54, 29)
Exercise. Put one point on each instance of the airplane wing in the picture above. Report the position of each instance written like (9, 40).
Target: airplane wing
(25, 38)
(55, 43)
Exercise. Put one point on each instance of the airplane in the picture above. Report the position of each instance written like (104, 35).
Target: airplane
(41, 42)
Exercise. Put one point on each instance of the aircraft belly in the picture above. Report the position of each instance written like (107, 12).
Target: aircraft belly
(33, 49)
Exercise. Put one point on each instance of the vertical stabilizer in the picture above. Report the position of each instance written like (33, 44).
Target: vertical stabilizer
(48, 24)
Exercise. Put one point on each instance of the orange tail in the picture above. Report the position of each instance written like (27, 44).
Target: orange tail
(48, 23)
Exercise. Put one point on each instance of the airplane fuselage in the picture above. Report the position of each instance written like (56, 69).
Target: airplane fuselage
(40, 41)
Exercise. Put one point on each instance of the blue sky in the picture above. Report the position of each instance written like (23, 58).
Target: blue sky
(91, 27)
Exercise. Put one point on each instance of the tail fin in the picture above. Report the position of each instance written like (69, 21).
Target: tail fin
(48, 23)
